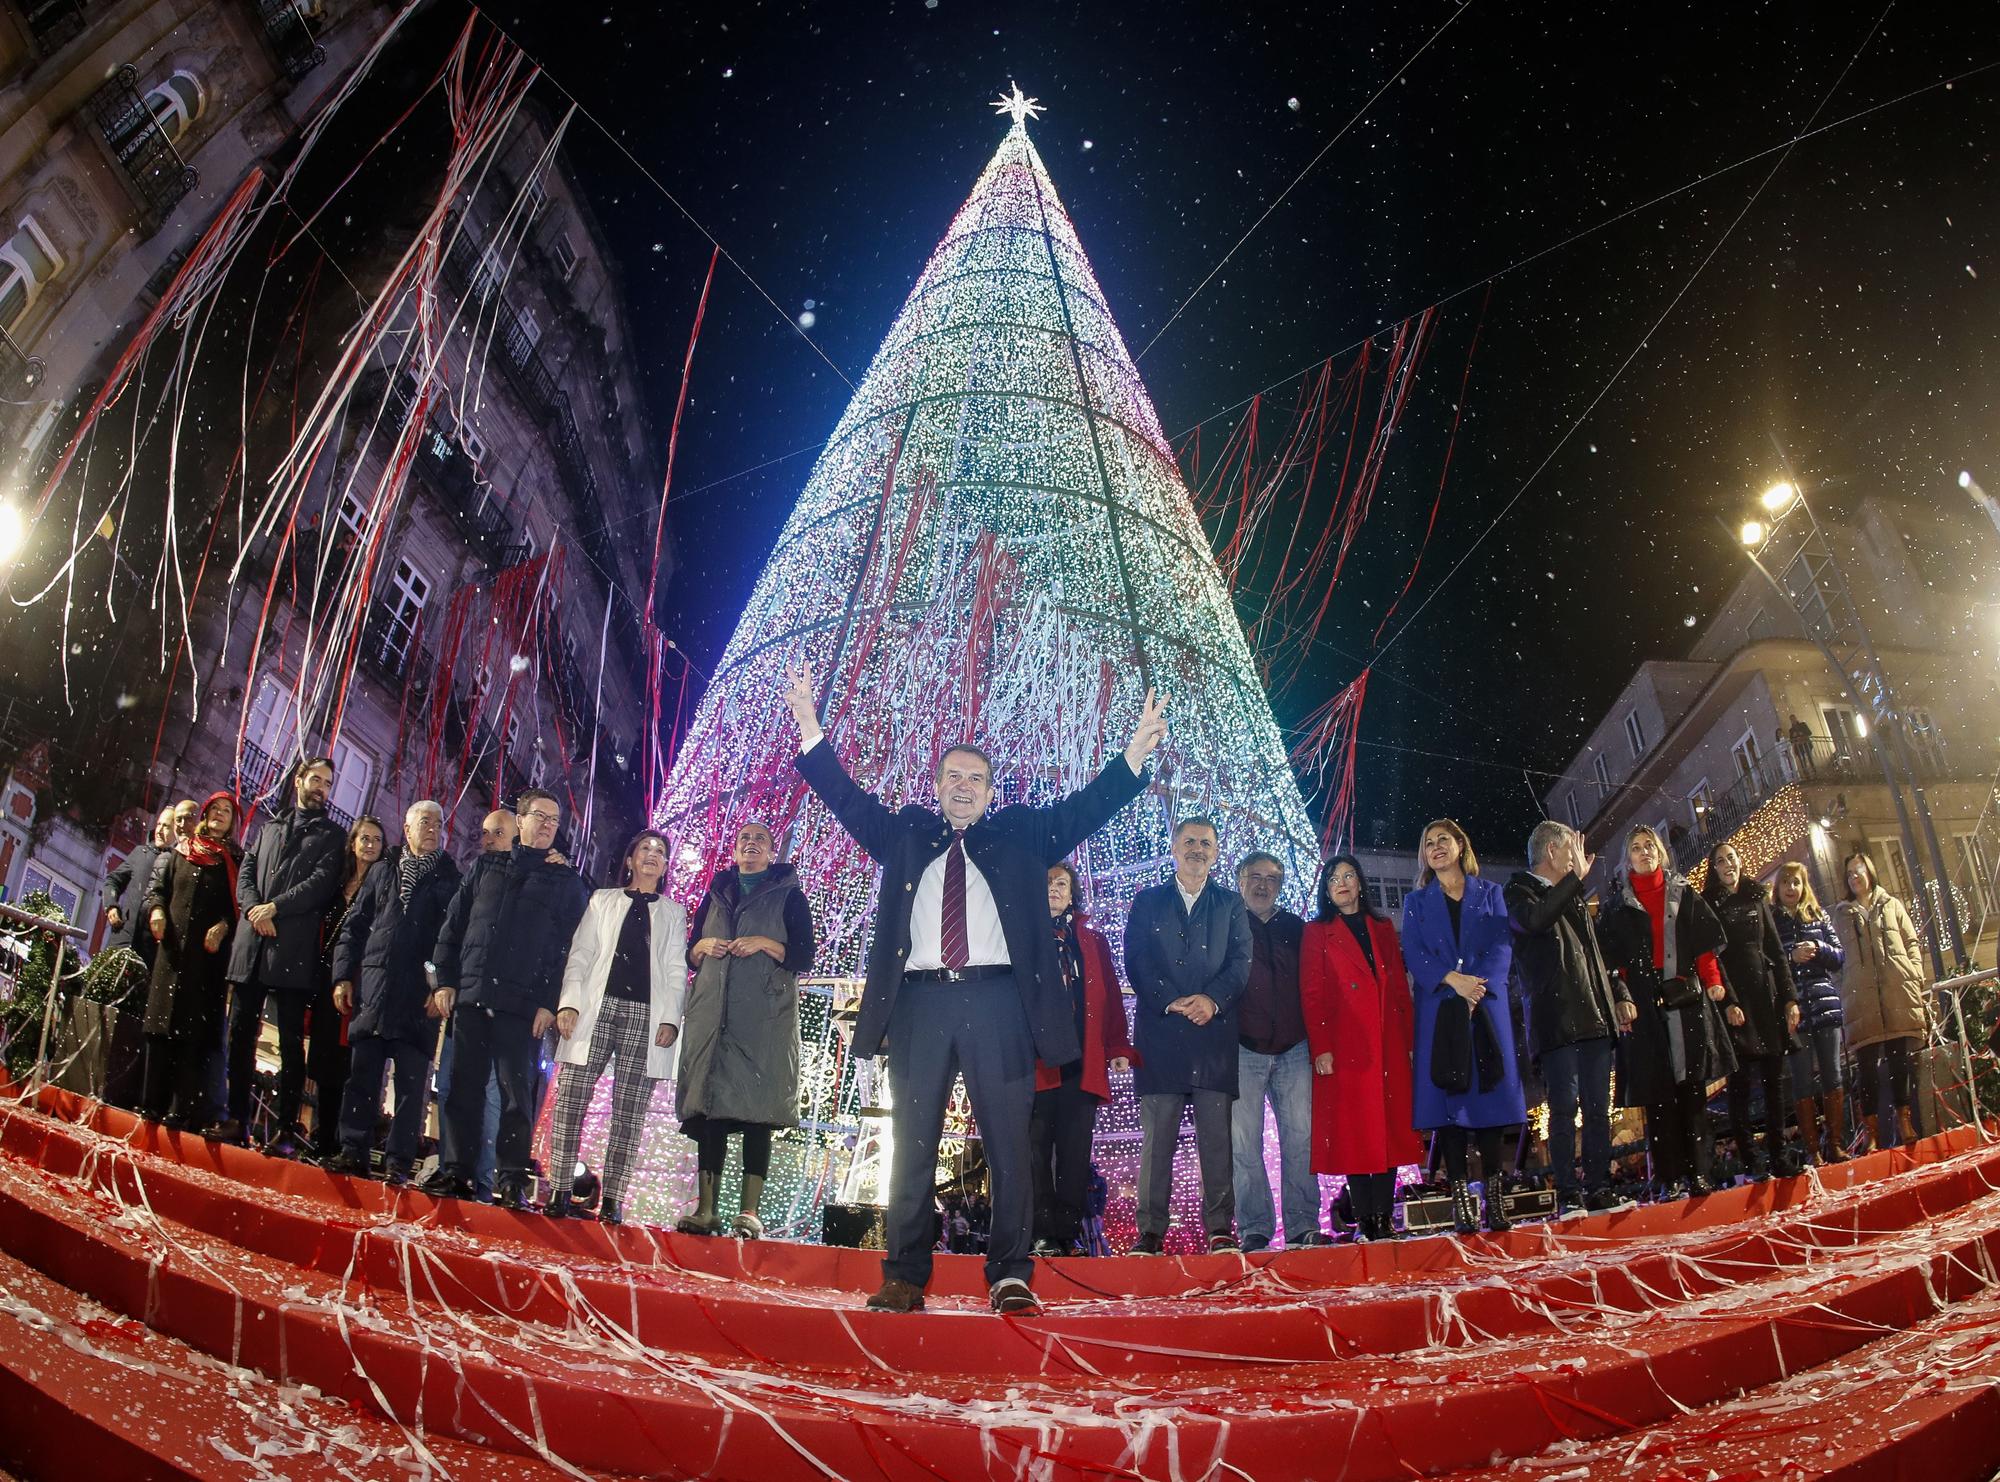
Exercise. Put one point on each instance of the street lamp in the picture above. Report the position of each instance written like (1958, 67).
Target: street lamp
(1793, 544)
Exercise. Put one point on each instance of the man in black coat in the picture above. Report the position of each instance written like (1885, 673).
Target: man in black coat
(1187, 951)
(962, 977)
(123, 892)
(386, 939)
(499, 961)
(283, 886)
(1575, 1008)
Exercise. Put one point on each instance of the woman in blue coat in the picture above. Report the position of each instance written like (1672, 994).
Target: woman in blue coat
(1813, 948)
(1458, 946)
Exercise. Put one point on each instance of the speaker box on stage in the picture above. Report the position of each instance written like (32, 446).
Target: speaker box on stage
(1427, 1212)
(1529, 1204)
(857, 1226)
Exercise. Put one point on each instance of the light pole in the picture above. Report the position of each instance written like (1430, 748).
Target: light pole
(1790, 539)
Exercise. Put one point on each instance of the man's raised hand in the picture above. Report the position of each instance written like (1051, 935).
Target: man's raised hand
(799, 694)
(1151, 731)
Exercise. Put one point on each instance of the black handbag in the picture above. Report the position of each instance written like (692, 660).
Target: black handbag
(1451, 1046)
(1461, 1036)
(1680, 993)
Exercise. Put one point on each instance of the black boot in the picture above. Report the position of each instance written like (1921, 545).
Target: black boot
(1464, 1209)
(1496, 1207)
(558, 1206)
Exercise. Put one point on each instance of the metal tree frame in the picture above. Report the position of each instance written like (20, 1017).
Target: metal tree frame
(1812, 584)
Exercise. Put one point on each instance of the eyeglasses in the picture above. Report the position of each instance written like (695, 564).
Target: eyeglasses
(543, 817)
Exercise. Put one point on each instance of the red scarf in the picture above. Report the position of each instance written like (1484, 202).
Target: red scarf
(1652, 892)
(202, 850)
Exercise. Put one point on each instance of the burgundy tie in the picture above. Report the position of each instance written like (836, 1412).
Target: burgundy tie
(956, 951)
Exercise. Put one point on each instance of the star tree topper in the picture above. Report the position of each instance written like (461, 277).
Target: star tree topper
(1022, 108)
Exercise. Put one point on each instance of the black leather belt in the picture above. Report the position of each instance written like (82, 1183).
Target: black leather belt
(957, 974)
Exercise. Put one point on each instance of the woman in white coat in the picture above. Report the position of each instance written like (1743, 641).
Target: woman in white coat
(621, 1006)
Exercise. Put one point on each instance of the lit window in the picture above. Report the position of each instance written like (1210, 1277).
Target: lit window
(28, 260)
(176, 103)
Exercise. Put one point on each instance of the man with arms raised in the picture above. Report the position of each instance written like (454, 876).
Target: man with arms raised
(962, 976)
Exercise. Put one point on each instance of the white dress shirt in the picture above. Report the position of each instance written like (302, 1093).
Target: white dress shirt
(985, 942)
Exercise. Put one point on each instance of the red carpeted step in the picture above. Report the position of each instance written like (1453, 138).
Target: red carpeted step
(1264, 1318)
(88, 1393)
(1935, 1385)
(1440, 1408)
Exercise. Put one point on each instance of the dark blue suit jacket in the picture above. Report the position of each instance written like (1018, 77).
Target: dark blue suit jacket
(1170, 954)
(1013, 848)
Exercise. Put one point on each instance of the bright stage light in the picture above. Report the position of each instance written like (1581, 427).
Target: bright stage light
(1753, 533)
(1779, 498)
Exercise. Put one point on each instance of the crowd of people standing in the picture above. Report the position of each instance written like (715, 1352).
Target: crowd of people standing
(1359, 1039)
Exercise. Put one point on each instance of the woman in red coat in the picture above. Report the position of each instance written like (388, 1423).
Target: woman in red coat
(1067, 1097)
(1360, 1025)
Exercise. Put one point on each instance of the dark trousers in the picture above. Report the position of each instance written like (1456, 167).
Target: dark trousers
(1059, 1134)
(328, 1062)
(712, 1151)
(1884, 1072)
(1774, 1073)
(500, 1045)
(172, 1077)
(246, 1017)
(1677, 1129)
(1160, 1128)
(1453, 1144)
(1579, 1074)
(936, 1031)
(410, 1062)
(1373, 1196)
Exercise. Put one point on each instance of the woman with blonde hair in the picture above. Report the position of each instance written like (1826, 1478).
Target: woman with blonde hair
(1813, 949)
(1661, 937)
(1884, 995)
(1459, 946)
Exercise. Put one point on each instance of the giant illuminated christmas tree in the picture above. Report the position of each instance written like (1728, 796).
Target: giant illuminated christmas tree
(995, 545)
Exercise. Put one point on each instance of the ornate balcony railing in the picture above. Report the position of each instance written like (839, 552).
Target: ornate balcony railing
(153, 169)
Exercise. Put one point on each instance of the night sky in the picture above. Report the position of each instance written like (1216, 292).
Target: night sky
(1841, 334)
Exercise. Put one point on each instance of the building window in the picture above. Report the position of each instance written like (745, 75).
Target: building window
(1575, 810)
(1925, 741)
(28, 261)
(535, 197)
(1601, 767)
(564, 252)
(408, 593)
(474, 445)
(38, 876)
(1701, 803)
(1892, 871)
(1635, 734)
(1749, 760)
(1975, 868)
(353, 513)
(176, 103)
(353, 783)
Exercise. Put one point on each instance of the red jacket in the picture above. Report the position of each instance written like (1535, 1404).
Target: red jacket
(1367, 1021)
(1106, 1035)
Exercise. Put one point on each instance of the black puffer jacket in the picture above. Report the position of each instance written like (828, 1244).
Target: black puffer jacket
(1566, 986)
(507, 932)
(384, 944)
(1753, 960)
(1668, 1048)
(294, 864)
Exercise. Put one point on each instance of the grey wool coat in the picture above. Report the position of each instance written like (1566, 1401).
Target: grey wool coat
(739, 1045)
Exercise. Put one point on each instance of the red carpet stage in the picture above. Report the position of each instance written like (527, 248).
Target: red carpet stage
(173, 1308)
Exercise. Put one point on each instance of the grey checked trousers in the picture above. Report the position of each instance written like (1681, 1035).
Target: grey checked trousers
(620, 1039)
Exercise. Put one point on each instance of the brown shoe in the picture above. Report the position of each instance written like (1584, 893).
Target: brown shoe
(1012, 1297)
(897, 1296)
